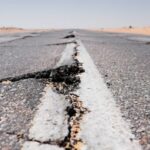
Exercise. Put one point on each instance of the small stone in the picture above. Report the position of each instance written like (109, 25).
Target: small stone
(144, 140)
(106, 75)
(20, 135)
(141, 129)
(6, 82)
(108, 84)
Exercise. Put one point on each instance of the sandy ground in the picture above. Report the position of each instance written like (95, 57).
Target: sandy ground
(8, 30)
(134, 30)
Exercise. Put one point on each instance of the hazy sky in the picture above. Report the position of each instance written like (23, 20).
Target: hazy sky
(74, 13)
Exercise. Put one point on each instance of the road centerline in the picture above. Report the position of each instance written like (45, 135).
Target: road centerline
(102, 128)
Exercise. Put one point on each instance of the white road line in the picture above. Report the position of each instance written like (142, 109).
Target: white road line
(103, 128)
(66, 58)
(37, 146)
(50, 121)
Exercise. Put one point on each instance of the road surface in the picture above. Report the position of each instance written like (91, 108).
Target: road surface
(75, 90)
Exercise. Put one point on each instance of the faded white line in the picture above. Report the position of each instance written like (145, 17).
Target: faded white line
(66, 58)
(50, 121)
(103, 128)
(37, 146)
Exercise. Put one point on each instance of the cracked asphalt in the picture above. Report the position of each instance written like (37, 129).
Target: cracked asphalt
(18, 103)
(30, 54)
(19, 100)
(122, 59)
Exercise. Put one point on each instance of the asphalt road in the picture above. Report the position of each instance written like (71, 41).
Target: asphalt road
(123, 60)
(19, 100)
(30, 54)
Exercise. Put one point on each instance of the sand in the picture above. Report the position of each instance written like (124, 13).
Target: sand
(10, 30)
(133, 30)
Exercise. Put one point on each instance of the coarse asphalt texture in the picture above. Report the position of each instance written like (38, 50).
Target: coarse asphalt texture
(124, 63)
(122, 59)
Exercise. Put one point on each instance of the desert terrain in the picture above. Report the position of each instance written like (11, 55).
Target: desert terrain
(8, 30)
(130, 29)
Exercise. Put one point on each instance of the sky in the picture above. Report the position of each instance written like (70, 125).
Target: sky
(74, 13)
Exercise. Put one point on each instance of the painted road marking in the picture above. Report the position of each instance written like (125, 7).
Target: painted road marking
(50, 121)
(102, 128)
(38, 146)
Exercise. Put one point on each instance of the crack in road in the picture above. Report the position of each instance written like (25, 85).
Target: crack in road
(20, 38)
(43, 74)
(73, 98)
(72, 35)
(26, 138)
(62, 43)
(70, 82)
(64, 80)
(37, 75)
(75, 112)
